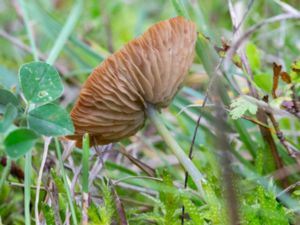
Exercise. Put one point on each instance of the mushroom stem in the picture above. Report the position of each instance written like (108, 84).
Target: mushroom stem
(176, 149)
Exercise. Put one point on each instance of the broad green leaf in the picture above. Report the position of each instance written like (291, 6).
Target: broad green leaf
(19, 142)
(40, 82)
(50, 120)
(9, 115)
(7, 97)
(253, 56)
(240, 106)
(264, 81)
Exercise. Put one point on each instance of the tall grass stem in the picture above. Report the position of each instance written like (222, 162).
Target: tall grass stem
(176, 149)
(63, 173)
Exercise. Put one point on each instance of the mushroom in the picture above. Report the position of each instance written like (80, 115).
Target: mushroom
(144, 75)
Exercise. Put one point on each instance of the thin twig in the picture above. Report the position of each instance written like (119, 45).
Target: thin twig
(136, 177)
(291, 151)
(119, 205)
(141, 165)
(249, 6)
(253, 29)
(288, 189)
(14, 184)
(266, 107)
(286, 7)
(210, 85)
(295, 100)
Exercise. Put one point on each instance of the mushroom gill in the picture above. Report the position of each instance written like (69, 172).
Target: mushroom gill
(147, 70)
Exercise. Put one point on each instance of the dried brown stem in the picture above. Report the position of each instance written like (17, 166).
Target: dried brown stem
(261, 114)
(291, 151)
(119, 205)
(268, 138)
(289, 188)
(294, 98)
(144, 167)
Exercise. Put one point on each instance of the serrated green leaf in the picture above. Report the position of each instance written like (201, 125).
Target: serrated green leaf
(9, 115)
(240, 106)
(253, 56)
(93, 214)
(193, 211)
(169, 198)
(58, 182)
(50, 120)
(40, 82)
(19, 142)
(49, 214)
(264, 81)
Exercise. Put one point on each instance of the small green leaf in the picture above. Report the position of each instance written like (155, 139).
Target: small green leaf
(50, 120)
(7, 97)
(253, 56)
(297, 193)
(193, 211)
(296, 66)
(240, 106)
(48, 213)
(19, 142)
(9, 115)
(295, 73)
(40, 82)
(264, 81)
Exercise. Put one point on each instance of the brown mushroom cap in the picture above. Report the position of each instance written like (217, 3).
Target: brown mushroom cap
(147, 70)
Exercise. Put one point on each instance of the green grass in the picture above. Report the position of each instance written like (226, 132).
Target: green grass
(241, 174)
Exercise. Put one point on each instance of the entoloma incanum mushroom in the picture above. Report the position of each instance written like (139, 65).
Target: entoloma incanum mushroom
(144, 75)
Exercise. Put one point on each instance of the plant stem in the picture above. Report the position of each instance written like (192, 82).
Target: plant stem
(176, 149)
(27, 187)
(85, 163)
(85, 178)
(63, 173)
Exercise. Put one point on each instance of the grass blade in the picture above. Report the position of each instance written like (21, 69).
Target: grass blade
(65, 32)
